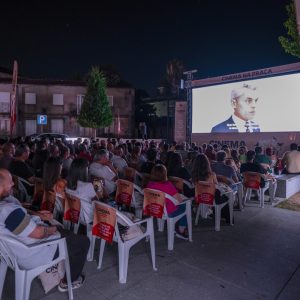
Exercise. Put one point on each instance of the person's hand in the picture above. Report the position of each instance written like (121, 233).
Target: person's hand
(45, 215)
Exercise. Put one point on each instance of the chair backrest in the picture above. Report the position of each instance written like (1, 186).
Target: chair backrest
(72, 208)
(252, 180)
(154, 202)
(48, 202)
(205, 192)
(125, 192)
(104, 222)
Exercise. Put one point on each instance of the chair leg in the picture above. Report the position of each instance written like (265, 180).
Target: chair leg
(68, 275)
(262, 198)
(28, 280)
(90, 255)
(101, 252)
(123, 262)
(189, 220)
(152, 246)
(3, 270)
(230, 203)
(171, 233)
(240, 196)
(20, 284)
(198, 214)
(217, 218)
(161, 224)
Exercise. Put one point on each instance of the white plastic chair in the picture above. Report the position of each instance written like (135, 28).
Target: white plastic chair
(251, 181)
(24, 277)
(68, 224)
(130, 199)
(239, 193)
(206, 191)
(124, 246)
(171, 221)
(179, 183)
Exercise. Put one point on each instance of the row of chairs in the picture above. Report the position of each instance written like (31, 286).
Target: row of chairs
(153, 206)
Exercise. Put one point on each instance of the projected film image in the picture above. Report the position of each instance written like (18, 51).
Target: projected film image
(261, 105)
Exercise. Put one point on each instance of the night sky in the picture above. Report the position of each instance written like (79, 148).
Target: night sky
(59, 39)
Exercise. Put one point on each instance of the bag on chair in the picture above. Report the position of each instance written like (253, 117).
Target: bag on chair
(52, 276)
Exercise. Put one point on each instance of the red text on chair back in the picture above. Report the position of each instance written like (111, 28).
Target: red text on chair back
(48, 202)
(124, 192)
(154, 202)
(72, 208)
(205, 192)
(251, 180)
(104, 222)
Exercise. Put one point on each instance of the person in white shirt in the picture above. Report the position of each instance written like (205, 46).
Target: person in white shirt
(103, 168)
(118, 162)
(32, 229)
(79, 187)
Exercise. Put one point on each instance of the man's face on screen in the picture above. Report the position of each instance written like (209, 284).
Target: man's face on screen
(244, 107)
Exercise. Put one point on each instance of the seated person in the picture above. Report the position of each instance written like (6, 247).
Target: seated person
(79, 186)
(220, 168)
(15, 222)
(252, 166)
(102, 167)
(262, 159)
(159, 181)
(291, 160)
(20, 168)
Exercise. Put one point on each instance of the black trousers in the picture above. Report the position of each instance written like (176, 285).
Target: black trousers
(78, 246)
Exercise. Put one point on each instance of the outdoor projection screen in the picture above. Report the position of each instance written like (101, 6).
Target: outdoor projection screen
(277, 107)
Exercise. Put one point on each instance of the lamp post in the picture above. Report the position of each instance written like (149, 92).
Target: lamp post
(188, 86)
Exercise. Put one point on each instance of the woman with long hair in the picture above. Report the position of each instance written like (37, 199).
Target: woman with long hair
(54, 185)
(175, 168)
(79, 187)
(201, 170)
(159, 181)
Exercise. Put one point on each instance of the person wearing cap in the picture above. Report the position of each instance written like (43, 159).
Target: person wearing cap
(243, 101)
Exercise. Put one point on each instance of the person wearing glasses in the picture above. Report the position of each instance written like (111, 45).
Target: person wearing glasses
(243, 101)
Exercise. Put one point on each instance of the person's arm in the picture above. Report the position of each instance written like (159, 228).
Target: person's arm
(42, 232)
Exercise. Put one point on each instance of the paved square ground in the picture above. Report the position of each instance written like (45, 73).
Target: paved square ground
(257, 258)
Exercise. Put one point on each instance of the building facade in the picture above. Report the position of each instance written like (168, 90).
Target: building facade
(61, 101)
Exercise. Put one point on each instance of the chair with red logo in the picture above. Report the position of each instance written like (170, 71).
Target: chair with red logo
(252, 181)
(154, 205)
(205, 198)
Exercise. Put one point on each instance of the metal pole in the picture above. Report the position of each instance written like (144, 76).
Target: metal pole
(188, 86)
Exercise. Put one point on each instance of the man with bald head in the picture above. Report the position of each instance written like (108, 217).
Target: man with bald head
(29, 229)
(243, 102)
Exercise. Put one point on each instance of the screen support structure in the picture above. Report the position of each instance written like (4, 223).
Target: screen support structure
(188, 86)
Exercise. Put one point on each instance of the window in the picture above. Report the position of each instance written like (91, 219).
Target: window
(80, 99)
(110, 100)
(30, 127)
(57, 125)
(58, 99)
(30, 98)
(4, 125)
(4, 102)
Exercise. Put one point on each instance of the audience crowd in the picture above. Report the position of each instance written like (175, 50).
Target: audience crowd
(63, 167)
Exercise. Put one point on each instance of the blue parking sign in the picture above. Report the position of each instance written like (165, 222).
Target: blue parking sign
(42, 119)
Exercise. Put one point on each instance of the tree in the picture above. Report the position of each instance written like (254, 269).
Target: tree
(95, 110)
(143, 111)
(291, 43)
(174, 72)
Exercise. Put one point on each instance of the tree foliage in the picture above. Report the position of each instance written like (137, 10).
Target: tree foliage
(291, 43)
(95, 110)
(143, 111)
